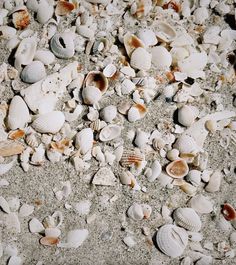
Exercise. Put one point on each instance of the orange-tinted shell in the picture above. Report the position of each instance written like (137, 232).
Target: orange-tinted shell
(60, 146)
(130, 158)
(172, 5)
(21, 19)
(63, 8)
(10, 148)
(49, 241)
(97, 79)
(229, 212)
(14, 135)
(177, 169)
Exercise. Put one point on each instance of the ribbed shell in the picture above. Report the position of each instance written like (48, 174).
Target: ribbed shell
(172, 240)
(130, 158)
(188, 219)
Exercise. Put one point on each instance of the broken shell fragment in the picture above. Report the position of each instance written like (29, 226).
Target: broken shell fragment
(186, 145)
(104, 177)
(4, 205)
(63, 8)
(127, 178)
(177, 169)
(229, 212)
(188, 188)
(110, 132)
(109, 70)
(161, 58)
(35, 226)
(33, 72)
(10, 148)
(140, 59)
(96, 79)
(20, 18)
(75, 238)
(172, 240)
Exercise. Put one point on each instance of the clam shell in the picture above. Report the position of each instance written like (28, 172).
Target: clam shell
(44, 56)
(44, 12)
(63, 8)
(201, 204)
(109, 70)
(91, 95)
(49, 241)
(108, 113)
(84, 140)
(148, 37)
(188, 219)
(49, 123)
(172, 240)
(194, 177)
(177, 169)
(161, 58)
(186, 145)
(214, 182)
(18, 114)
(10, 148)
(140, 59)
(136, 112)
(164, 31)
(109, 133)
(131, 43)
(33, 72)
(7, 32)
(62, 45)
(97, 79)
(156, 169)
(135, 212)
(187, 115)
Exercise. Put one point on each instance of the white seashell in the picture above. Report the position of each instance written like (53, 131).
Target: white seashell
(12, 43)
(195, 236)
(7, 32)
(140, 59)
(104, 177)
(127, 178)
(194, 177)
(44, 12)
(129, 241)
(186, 145)
(35, 226)
(26, 210)
(4, 168)
(91, 95)
(205, 260)
(83, 207)
(156, 169)
(214, 182)
(187, 115)
(164, 31)
(131, 42)
(127, 86)
(32, 140)
(62, 45)
(141, 139)
(13, 223)
(85, 31)
(108, 113)
(188, 188)
(136, 112)
(38, 156)
(223, 225)
(200, 15)
(135, 212)
(173, 154)
(201, 204)
(53, 155)
(110, 132)
(109, 70)
(178, 54)
(129, 71)
(172, 240)
(33, 72)
(4, 205)
(44, 56)
(52, 232)
(84, 140)
(161, 58)
(188, 219)
(50, 122)
(14, 260)
(186, 261)
(32, 5)
(75, 238)
(148, 37)
(18, 114)
(147, 210)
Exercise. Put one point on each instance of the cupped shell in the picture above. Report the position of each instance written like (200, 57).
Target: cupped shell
(188, 219)
(109, 133)
(20, 17)
(172, 240)
(63, 8)
(131, 43)
(84, 140)
(164, 31)
(97, 79)
(49, 123)
(91, 95)
(177, 169)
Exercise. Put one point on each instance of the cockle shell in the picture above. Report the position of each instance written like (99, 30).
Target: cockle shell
(97, 79)
(109, 70)
(108, 113)
(44, 56)
(44, 11)
(140, 59)
(109, 132)
(131, 43)
(18, 114)
(62, 45)
(161, 58)
(188, 219)
(33, 72)
(201, 204)
(172, 240)
(148, 37)
(187, 115)
(91, 95)
(49, 123)
(164, 31)
(63, 8)
(84, 140)
(177, 169)
(130, 158)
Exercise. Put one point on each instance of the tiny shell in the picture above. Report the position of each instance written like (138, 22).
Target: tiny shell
(49, 241)
(148, 37)
(186, 145)
(10, 148)
(127, 178)
(201, 204)
(229, 212)
(62, 45)
(161, 58)
(177, 169)
(84, 140)
(91, 95)
(172, 240)
(109, 133)
(188, 188)
(108, 113)
(188, 219)
(33, 72)
(140, 59)
(7, 32)
(15, 135)
(156, 171)
(131, 43)
(214, 182)
(173, 154)
(104, 177)
(85, 31)
(63, 8)
(32, 140)
(35, 226)
(44, 12)
(165, 31)
(97, 79)
(187, 115)
(44, 56)
(50, 122)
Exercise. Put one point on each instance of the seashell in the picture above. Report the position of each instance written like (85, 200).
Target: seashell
(75, 238)
(20, 17)
(4, 168)
(32, 140)
(4, 205)
(104, 177)
(136, 112)
(186, 145)
(188, 188)
(63, 8)
(84, 140)
(200, 15)
(50, 122)
(194, 177)
(156, 169)
(33, 72)
(101, 46)
(123, 107)
(214, 182)
(10, 148)
(14, 260)
(127, 178)
(13, 223)
(25, 52)
(108, 113)
(91, 95)
(44, 12)
(15, 135)
(44, 56)
(188, 219)
(223, 225)
(201, 204)
(52, 232)
(110, 132)
(26, 210)
(177, 169)
(49, 241)
(178, 54)
(164, 31)
(130, 158)
(7, 32)
(129, 241)
(141, 139)
(229, 212)
(127, 86)
(172, 240)
(135, 212)
(109, 70)
(211, 126)
(187, 115)
(173, 154)
(96, 79)
(161, 58)
(140, 59)
(12, 43)
(131, 42)
(148, 37)
(18, 114)
(32, 5)
(62, 45)
(35, 226)
(97, 125)
(147, 210)
(85, 31)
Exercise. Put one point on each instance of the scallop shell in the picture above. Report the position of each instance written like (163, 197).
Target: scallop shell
(108, 113)
(84, 140)
(91, 95)
(130, 158)
(165, 31)
(18, 114)
(201, 204)
(97, 79)
(63, 8)
(187, 115)
(131, 43)
(161, 58)
(148, 37)
(177, 169)
(44, 12)
(140, 59)
(44, 56)
(33, 72)
(50, 122)
(62, 45)
(188, 219)
(109, 133)
(172, 240)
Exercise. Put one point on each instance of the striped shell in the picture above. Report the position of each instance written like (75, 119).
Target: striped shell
(130, 158)
(188, 219)
(172, 240)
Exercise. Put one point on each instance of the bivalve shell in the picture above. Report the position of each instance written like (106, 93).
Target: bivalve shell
(108, 113)
(161, 58)
(131, 43)
(130, 158)
(33, 72)
(84, 140)
(97, 79)
(91, 95)
(20, 17)
(177, 169)
(109, 70)
(109, 133)
(44, 12)
(165, 31)
(148, 37)
(201, 204)
(172, 240)
(49, 123)
(186, 145)
(140, 59)
(10, 148)
(63, 8)
(187, 115)
(135, 212)
(214, 182)
(188, 219)
(136, 112)
(44, 56)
